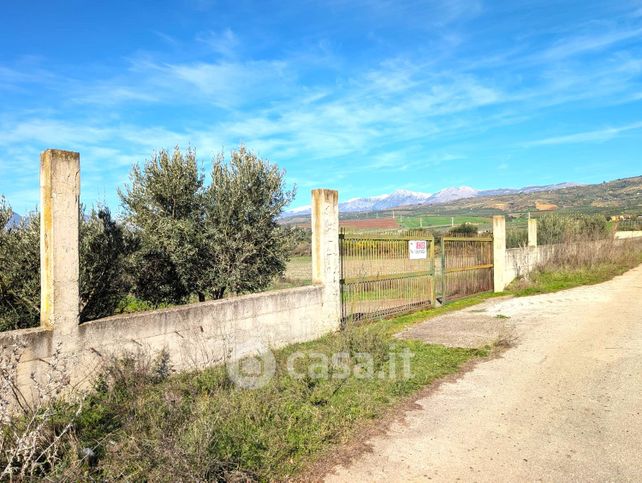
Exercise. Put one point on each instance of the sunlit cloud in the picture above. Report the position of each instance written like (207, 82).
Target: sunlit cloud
(598, 135)
(420, 93)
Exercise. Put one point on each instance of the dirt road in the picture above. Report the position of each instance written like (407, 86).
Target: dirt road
(565, 403)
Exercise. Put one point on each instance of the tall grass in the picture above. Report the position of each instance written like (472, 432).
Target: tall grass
(555, 228)
(572, 264)
(516, 237)
(142, 423)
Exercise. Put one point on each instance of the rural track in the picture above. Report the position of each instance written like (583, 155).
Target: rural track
(564, 403)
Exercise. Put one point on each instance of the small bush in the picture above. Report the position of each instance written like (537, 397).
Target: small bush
(302, 242)
(516, 238)
(465, 229)
(37, 429)
(142, 423)
(555, 228)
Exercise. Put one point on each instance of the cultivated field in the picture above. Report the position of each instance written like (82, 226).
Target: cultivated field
(439, 221)
(370, 224)
(299, 269)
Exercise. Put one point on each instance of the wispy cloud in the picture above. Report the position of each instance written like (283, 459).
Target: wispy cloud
(418, 89)
(598, 135)
(588, 43)
(225, 43)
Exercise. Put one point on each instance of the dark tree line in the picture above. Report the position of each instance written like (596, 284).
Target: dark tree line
(180, 239)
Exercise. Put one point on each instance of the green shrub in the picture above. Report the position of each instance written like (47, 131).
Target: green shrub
(465, 229)
(555, 228)
(205, 241)
(19, 271)
(516, 237)
(104, 281)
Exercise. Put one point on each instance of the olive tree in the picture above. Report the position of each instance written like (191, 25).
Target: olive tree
(206, 240)
(556, 228)
(247, 246)
(105, 247)
(19, 271)
(105, 267)
(164, 206)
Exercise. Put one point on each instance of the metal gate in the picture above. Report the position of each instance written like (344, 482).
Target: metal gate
(389, 273)
(385, 274)
(466, 266)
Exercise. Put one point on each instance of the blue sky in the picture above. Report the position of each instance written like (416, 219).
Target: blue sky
(364, 96)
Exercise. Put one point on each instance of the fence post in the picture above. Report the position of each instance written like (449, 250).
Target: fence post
(325, 251)
(59, 258)
(532, 232)
(499, 252)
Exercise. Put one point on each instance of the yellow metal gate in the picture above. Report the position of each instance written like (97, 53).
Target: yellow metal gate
(389, 273)
(385, 274)
(466, 266)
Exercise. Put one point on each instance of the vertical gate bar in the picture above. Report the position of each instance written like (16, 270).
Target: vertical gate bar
(433, 295)
(443, 271)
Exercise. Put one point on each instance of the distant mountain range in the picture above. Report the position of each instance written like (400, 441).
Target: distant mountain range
(407, 198)
(14, 220)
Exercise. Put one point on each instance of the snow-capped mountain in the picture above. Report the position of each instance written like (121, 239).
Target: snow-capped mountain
(405, 197)
(526, 189)
(14, 220)
(383, 202)
(452, 194)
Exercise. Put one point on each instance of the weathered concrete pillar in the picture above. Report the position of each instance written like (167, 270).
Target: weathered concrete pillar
(532, 232)
(325, 251)
(499, 252)
(59, 259)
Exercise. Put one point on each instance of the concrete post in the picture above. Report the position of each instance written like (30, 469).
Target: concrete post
(325, 251)
(59, 258)
(499, 252)
(532, 232)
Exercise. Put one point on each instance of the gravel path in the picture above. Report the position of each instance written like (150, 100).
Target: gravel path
(565, 403)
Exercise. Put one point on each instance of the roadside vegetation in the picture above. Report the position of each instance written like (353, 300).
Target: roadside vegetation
(141, 421)
(583, 266)
(463, 230)
(556, 229)
(181, 240)
(582, 251)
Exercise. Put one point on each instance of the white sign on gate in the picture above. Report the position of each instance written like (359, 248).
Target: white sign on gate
(417, 249)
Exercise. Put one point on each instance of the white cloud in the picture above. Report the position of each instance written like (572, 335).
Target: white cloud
(311, 107)
(593, 42)
(598, 135)
(225, 43)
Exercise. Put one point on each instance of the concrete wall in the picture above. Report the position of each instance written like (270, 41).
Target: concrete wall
(622, 235)
(196, 335)
(521, 261)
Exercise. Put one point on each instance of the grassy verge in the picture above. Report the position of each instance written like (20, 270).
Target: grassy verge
(140, 423)
(558, 275)
(546, 281)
